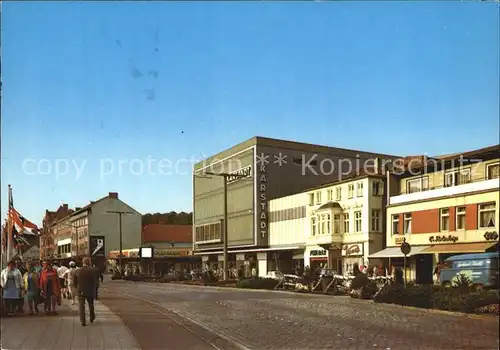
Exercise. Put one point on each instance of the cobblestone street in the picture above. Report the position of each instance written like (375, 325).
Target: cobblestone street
(274, 320)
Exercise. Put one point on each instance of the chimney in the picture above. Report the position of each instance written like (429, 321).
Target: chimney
(113, 195)
(65, 206)
(77, 208)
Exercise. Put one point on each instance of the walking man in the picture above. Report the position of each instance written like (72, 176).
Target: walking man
(85, 282)
(70, 278)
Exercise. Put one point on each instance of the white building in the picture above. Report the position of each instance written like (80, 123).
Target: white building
(335, 225)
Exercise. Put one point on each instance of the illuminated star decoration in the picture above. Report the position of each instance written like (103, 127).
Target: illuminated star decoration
(262, 159)
(280, 159)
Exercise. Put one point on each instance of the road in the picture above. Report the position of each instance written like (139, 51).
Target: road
(192, 317)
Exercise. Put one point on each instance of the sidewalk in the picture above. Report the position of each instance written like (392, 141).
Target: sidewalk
(64, 332)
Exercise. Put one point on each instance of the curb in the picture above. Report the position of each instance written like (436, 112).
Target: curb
(444, 312)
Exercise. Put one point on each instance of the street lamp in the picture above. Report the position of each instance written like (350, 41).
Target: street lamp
(120, 214)
(225, 176)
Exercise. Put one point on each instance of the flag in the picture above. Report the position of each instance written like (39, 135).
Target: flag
(5, 231)
(21, 224)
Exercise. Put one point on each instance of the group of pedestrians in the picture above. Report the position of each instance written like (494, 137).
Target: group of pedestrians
(47, 284)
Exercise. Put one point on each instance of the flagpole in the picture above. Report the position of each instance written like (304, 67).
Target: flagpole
(9, 227)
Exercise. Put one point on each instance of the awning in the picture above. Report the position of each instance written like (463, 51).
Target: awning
(395, 252)
(461, 248)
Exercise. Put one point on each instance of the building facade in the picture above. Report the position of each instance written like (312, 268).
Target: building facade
(96, 228)
(448, 207)
(48, 243)
(268, 169)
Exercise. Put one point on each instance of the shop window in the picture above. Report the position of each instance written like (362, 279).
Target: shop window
(460, 218)
(347, 222)
(357, 221)
(487, 213)
(395, 224)
(407, 223)
(376, 220)
(444, 219)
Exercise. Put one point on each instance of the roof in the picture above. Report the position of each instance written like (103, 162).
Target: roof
(167, 233)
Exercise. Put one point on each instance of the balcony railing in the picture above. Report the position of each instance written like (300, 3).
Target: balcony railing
(443, 191)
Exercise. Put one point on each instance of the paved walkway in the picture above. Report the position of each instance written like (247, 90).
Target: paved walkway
(64, 332)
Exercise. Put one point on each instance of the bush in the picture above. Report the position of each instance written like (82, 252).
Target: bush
(428, 296)
(257, 283)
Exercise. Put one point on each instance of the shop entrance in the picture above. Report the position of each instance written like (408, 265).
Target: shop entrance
(423, 269)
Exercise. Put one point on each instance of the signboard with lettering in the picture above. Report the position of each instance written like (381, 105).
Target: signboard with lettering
(355, 249)
(239, 174)
(318, 252)
(443, 239)
(263, 200)
(491, 236)
(399, 240)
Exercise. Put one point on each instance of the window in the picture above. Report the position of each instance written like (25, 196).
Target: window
(318, 197)
(457, 177)
(338, 193)
(395, 224)
(407, 223)
(357, 221)
(377, 188)
(346, 223)
(376, 220)
(311, 198)
(417, 185)
(493, 171)
(336, 223)
(460, 218)
(322, 221)
(445, 219)
(328, 224)
(487, 213)
(359, 192)
(313, 226)
(350, 193)
(329, 195)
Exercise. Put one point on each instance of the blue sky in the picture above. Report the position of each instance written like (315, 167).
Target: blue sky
(93, 83)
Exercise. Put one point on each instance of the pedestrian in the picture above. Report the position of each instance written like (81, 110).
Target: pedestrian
(20, 302)
(436, 274)
(85, 281)
(51, 289)
(11, 281)
(61, 270)
(32, 287)
(69, 277)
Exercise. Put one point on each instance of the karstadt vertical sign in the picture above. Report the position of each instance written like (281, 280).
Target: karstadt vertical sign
(263, 199)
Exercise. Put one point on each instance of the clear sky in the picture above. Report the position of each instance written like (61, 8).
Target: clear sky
(91, 84)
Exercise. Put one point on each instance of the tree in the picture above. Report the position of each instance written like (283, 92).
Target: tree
(171, 218)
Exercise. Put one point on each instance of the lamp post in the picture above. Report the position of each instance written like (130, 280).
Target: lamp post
(120, 214)
(225, 176)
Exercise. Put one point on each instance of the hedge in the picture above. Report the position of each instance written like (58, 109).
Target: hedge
(257, 283)
(437, 297)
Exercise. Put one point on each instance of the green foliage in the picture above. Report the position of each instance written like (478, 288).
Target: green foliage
(428, 296)
(462, 282)
(172, 218)
(257, 283)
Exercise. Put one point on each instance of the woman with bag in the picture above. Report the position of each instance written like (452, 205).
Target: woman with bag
(32, 287)
(12, 284)
(51, 289)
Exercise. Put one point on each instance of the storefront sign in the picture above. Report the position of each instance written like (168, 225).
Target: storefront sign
(159, 252)
(318, 252)
(399, 240)
(263, 200)
(491, 236)
(97, 246)
(440, 239)
(352, 249)
(239, 174)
